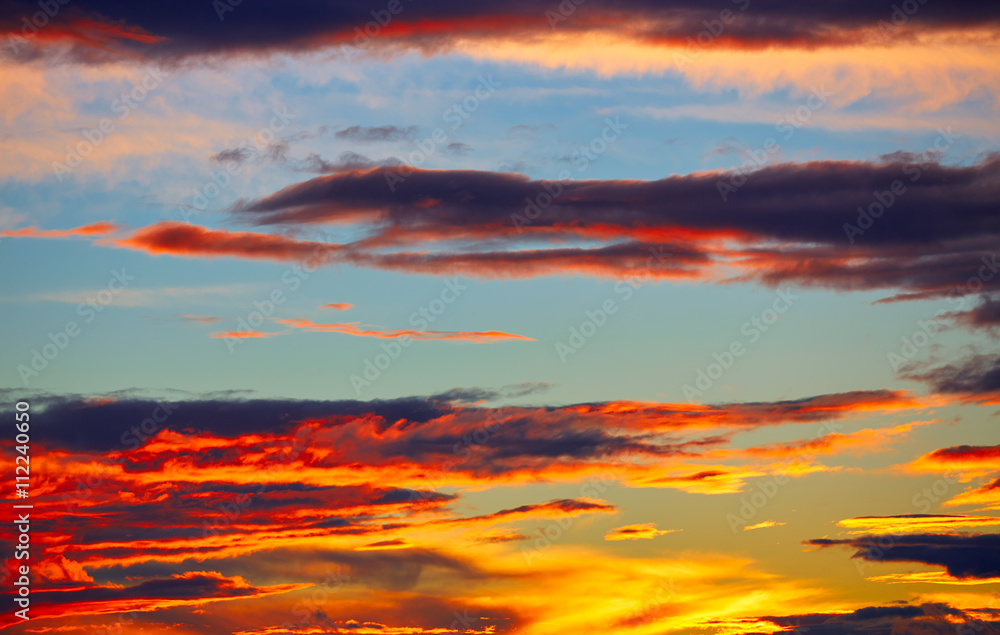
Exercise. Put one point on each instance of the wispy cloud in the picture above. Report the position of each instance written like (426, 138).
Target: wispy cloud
(642, 531)
(154, 297)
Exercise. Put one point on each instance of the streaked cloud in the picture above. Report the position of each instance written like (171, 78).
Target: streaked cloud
(641, 531)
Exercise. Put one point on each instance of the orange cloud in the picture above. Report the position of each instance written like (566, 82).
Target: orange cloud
(908, 72)
(354, 627)
(664, 416)
(241, 334)
(642, 531)
(100, 228)
(337, 306)
(716, 479)
(352, 328)
(915, 523)
(930, 577)
(986, 497)
(384, 544)
(186, 240)
(861, 441)
(763, 525)
(560, 508)
(970, 460)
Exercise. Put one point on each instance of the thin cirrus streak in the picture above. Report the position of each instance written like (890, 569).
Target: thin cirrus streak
(242, 334)
(985, 498)
(641, 531)
(199, 318)
(915, 523)
(763, 525)
(101, 228)
(932, 577)
(866, 440)
(356, 330)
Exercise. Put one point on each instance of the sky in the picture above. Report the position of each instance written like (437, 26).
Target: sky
(391, 317)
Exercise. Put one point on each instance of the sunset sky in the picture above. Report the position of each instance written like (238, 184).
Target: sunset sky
(393, 317)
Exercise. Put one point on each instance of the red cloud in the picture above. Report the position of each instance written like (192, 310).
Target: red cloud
(190, 588)
(183, 239)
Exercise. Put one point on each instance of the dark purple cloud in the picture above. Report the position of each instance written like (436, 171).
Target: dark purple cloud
(977, 376)
(800, 202)
(927, 619)
(368, 134)
(985, 315)
(805, 224)
(962, 556)
(103, 29)
(344, 162)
